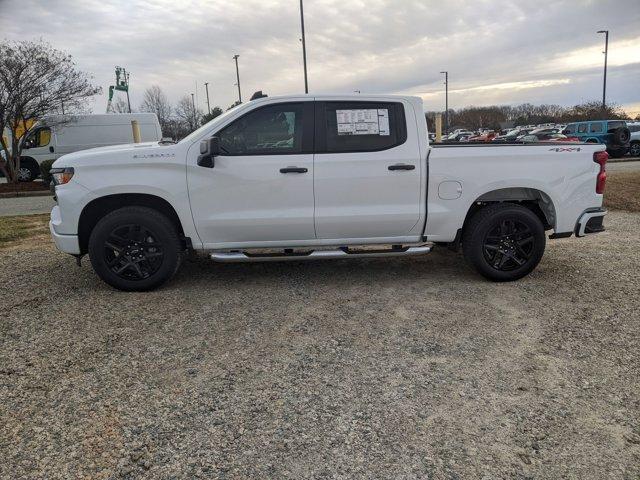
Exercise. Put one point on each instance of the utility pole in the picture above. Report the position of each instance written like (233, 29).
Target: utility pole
(206, 87)
(606, 53)
(446, 101)
(193, 105)
(235, 57)
(126, 75)
(304, 50)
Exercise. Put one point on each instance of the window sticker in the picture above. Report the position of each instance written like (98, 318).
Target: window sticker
(363, 122)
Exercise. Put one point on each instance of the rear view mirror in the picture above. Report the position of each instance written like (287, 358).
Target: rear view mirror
(209, 149)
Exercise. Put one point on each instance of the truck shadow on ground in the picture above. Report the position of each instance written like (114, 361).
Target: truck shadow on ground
(439, 265)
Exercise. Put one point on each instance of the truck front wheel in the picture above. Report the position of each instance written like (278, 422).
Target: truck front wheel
(135, 249)
(504, 242)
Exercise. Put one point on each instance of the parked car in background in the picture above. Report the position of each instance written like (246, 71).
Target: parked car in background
(459, 135)
(612, 133)
(634, 142)
(485, 137)
(512, 135)
(57, 135)
(547, 137)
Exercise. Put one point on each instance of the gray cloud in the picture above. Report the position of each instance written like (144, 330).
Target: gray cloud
(525, 50)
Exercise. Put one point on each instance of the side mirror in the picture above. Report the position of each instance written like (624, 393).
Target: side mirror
(209, 149)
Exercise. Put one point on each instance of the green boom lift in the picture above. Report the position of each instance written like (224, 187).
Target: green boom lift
(122, 85)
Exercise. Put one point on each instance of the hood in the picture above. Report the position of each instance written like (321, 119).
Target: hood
(126, 153)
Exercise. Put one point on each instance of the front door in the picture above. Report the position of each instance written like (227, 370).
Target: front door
(260, 190)
(367, 170)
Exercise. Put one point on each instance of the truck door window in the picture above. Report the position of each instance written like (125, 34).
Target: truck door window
(582, 128)
(595, 127)
(361, 127)
(270, 130)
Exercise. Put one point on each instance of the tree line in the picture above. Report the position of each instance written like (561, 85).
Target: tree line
(175, 121)
(497, 117)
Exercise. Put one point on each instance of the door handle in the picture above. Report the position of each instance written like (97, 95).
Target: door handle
(401, 166)
(51, 149)
(293, 170)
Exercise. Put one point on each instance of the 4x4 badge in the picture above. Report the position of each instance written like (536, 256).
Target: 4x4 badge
(565, 149)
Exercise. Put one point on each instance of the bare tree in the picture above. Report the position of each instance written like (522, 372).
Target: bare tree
(187, 114)
(155, 101)
(35, 80)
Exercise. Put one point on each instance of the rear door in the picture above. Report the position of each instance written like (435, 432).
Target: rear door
(367, 170)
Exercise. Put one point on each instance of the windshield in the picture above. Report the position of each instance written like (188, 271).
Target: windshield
(196, 133)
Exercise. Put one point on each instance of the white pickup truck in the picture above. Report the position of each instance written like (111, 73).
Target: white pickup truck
(316, 177)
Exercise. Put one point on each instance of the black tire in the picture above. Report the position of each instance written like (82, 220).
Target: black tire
(29, 170)
(634, 149)
(504, 242)
(621, 136)
(135, 249)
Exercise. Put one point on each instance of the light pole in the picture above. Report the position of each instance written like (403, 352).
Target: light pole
(235, 57)
(446, 101)
(606, 53)
(126, 77)
(193, 105)
(304, 50)
(206, 88)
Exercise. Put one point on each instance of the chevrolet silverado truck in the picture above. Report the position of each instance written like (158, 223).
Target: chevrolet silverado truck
(317, 177)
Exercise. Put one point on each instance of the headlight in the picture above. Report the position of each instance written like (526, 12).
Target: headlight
(61, 176)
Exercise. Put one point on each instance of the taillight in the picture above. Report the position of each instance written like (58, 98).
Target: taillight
(601, 159)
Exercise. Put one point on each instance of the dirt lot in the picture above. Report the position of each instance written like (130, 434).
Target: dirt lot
(390, 368)
(623, 191)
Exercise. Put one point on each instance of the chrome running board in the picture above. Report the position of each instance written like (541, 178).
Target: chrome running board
(238, 257)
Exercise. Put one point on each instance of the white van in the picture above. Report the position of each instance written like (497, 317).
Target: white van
(57, 135)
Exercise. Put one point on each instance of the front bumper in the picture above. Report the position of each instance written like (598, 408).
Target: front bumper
(590, 222)
(65, 243)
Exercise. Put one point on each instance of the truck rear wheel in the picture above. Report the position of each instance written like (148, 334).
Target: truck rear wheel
(135, 249)
(504, 242)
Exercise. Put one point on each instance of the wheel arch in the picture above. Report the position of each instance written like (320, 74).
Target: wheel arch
(534, 199)
(99, 207)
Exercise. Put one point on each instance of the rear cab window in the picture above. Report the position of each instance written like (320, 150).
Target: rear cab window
(344, 126)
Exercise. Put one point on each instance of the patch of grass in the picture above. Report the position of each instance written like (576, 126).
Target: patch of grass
(623, 191)
(22, 227)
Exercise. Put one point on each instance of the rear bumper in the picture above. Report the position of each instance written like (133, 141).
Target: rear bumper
(64, 243)
(590, 222)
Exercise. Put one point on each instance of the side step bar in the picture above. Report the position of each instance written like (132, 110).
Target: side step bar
(235, 257)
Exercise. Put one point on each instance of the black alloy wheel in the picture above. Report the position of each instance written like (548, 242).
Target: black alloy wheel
(509, 245)
(135, 248)
(504, 241)
(133, 252)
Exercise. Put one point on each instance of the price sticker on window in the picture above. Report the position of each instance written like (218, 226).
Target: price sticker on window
(363, 122)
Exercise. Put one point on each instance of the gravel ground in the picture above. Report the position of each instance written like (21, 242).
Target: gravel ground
(382, 368)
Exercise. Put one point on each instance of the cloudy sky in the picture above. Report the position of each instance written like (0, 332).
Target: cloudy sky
(504, 51)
